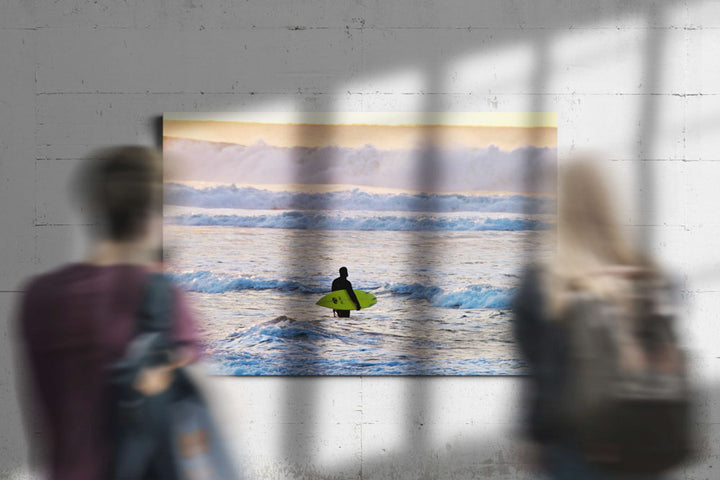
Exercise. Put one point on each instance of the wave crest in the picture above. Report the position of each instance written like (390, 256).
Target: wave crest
(207, 282)
(470, 297)
(250, 198)
(321, 221)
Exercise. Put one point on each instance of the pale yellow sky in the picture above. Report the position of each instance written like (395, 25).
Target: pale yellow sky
(384, 131)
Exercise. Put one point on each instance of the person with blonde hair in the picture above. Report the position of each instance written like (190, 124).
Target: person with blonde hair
(595, 266)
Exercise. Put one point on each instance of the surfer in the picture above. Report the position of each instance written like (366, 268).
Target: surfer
(342, 283)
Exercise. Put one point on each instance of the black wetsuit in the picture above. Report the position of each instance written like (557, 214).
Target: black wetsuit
(342, 283)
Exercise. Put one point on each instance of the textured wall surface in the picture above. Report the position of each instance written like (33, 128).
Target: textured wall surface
(639, 81)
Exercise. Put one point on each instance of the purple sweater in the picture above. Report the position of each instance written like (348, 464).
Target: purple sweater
(74, 324)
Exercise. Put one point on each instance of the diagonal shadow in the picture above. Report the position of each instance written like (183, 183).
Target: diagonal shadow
(302, 392)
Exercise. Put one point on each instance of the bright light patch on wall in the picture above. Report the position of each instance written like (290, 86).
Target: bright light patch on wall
(503, 70)
(458, 422)
(408, 80)
(587, 61)
(581, 64)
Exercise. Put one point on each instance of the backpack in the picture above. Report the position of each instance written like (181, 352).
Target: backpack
(171, 435)
(626, 401)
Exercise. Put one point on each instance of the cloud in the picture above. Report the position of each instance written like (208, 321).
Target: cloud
(455, 170)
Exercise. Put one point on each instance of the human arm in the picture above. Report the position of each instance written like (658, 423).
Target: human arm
(527, 321)
(352, 295)
(31, 396)
(543, 344)
(155, 379)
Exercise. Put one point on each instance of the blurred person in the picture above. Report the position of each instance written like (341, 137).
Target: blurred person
(77, 321)
(578, 319)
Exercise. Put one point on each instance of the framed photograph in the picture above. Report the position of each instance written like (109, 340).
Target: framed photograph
(357, 243)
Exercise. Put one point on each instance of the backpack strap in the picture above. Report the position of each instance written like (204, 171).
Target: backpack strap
(151, 344)
(133, 416)
(154, 320)
(155, 312)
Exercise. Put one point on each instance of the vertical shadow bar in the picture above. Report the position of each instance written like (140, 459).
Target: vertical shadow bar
(421, 252)
(533, 169)
(647, 133)
(156, 126)
(304, 247)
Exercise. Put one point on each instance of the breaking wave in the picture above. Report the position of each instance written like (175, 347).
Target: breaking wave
(323, 221)
(205, 281)
(470, 297)
(250, 198)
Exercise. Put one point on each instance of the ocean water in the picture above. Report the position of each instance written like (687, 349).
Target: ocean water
(444, 269)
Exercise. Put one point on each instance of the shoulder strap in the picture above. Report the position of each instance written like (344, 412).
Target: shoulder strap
(155, 314)
(151, 344)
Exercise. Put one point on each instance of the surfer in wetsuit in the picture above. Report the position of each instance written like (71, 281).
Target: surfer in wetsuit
(342, 283)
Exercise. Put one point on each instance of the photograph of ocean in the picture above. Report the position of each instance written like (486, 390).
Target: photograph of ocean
(256, 253)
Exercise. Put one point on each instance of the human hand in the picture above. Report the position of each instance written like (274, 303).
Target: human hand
(153, 380)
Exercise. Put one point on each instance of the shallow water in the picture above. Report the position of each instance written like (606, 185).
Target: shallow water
(443, 290)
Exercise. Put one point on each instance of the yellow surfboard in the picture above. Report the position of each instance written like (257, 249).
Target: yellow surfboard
(340, 300)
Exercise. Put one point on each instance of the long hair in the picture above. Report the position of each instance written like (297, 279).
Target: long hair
(589, 241)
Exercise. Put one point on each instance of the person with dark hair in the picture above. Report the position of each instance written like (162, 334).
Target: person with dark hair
(77, 321)
(342, 283)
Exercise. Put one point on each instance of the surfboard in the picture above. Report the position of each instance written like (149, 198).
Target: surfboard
(340, 300)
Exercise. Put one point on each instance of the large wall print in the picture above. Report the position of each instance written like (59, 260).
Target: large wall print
(357, 243)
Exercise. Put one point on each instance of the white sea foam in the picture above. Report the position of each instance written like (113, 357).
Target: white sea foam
(340, 221)
(470, 297)
(250, 198)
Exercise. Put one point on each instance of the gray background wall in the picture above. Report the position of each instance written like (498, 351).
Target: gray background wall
(638, 81)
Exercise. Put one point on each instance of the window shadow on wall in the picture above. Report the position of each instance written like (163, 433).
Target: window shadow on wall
(418, 458)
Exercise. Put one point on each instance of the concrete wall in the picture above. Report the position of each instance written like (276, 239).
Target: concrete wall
(637, 80)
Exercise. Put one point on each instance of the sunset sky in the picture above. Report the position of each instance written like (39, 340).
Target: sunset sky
(391, 131)
(472, 151)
